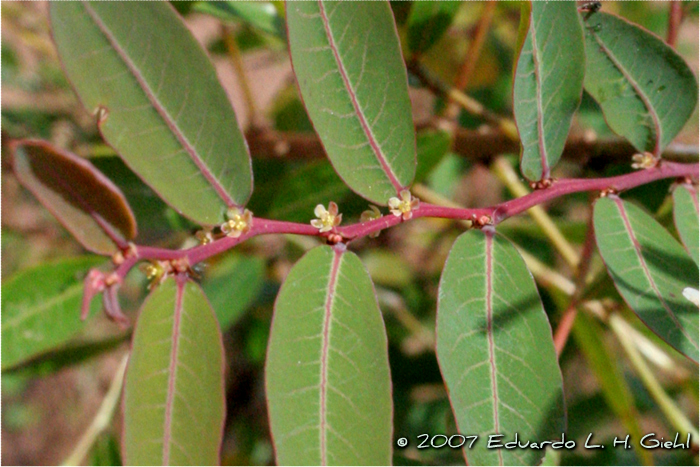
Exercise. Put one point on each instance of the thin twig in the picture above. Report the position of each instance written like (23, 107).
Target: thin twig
(675, 18)
(102, 419)
(561, 335)
(473, 52)
(237, 61)
(482, 145)
(667, 405)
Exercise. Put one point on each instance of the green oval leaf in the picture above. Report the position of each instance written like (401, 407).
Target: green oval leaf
(548, 84)
(495, 349)
(174, 390)
(86, 202)
(428, 21)
(262, 15)
(645, 90)
(327, 371)
(685, 215)
(41, 308)
(352, 78)
(163, 108)
(650, 270)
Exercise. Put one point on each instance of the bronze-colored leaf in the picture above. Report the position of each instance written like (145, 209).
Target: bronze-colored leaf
(86, 202)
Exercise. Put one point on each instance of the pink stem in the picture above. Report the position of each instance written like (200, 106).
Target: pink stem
(497, 213)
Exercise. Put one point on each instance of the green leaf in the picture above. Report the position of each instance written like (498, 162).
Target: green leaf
(352, 78)
(174, 390)
(41, 308)
(604, 365)
(160, 104)
(262, 15)
(86, 202)
(495, 349)
(232, 285)
(645, 89)
(428, 21)
(327, 372)
(548, 84)
(685, 215)
(650, 270)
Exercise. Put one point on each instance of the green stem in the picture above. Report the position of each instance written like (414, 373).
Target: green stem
(669, 408)
(102, 419)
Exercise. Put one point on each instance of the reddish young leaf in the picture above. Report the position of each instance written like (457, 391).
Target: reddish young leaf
(86, 202)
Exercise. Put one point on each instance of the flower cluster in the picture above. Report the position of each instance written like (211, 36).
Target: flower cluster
(405, 206)
(238, 223)
(327, 220)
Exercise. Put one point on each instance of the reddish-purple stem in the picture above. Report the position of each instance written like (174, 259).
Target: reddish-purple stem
(675, 17)
(352, 232)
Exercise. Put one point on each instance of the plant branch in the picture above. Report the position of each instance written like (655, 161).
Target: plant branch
(481, 145)
(237, 61)
(507, 175)
(473, 52)
(494, 215)
(561, 335)
(675, 17)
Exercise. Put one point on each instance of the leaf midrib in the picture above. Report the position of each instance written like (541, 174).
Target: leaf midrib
(374, 144)
(323, 385)
(489, 334)
(635, 243)
(63, 296)
(540, 110)
(160, 108)
(172, 375)
(645, 99)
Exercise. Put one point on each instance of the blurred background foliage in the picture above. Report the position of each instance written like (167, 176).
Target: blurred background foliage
(48, 403)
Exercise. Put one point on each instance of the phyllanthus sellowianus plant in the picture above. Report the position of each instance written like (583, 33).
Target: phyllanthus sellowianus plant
(387, 321)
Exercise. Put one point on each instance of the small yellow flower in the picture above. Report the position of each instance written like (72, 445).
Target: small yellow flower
(326, 220)
(156, 272)
(238, 222)
(644, 161)
(204, 236)
(405, 206)
(369, 215)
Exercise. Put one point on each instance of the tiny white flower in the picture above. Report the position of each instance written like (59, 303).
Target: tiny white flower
(644, 161)
(327, 220)
(405, 206)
